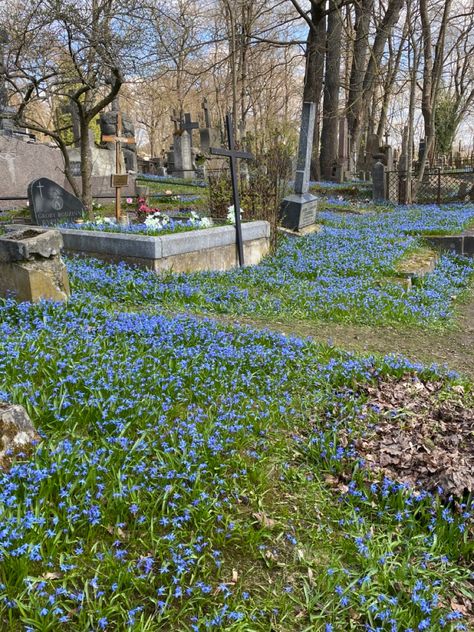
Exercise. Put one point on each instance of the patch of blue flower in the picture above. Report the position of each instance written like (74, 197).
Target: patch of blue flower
(341, 274)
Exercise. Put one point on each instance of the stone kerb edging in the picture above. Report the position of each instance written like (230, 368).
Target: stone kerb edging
(206, 248)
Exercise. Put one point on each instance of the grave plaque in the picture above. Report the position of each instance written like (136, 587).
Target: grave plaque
(118, 180)
(50, 204)
(75, 168)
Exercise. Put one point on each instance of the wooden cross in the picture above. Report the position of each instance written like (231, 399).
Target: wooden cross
(387, 136)
(117, 182)
(189, 125)
(233, 154)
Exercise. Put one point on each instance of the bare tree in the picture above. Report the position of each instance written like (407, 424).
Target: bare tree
(68, 51)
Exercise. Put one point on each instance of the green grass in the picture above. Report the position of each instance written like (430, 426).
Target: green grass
(192, 477)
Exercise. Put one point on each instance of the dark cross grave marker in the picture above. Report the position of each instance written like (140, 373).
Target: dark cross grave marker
(233, 154)
(118, 182)
(189, 125)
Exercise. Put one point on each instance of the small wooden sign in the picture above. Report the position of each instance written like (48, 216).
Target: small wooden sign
(119, 180)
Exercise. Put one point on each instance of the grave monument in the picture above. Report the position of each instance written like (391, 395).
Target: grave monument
(298, 210)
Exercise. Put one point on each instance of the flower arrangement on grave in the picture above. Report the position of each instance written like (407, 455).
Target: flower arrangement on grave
(144, 211)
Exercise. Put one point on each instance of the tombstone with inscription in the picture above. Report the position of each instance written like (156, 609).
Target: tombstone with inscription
(299, 210)
(51, 205)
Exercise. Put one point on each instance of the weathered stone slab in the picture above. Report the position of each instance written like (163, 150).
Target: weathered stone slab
(417, 264)
(50, 204)
(31, 268)
(17, 433)
(30, 243)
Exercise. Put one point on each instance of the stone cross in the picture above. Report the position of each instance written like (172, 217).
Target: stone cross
(176, 120)
(233, 154)
(207, 118)
(189, 125)
(118, 140)
(305, 148)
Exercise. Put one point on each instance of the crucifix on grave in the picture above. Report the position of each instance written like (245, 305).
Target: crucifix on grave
(118, 179)
(233, 154)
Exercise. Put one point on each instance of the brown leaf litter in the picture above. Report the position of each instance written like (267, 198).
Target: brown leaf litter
(421, 434)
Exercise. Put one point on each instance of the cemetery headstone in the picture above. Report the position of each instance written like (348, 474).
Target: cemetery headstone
(7, 123)
(403, 166)
(50, 204)
(6, 113)
(183, 160)
(109, 127)
(378, 181)
(208, 136)
(299, 210)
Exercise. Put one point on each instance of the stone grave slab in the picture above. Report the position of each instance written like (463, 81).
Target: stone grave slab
(50, 204)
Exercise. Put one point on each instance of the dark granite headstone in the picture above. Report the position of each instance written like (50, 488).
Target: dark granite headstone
(50, 204)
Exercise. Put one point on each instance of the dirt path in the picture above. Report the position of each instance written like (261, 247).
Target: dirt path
(454, 347)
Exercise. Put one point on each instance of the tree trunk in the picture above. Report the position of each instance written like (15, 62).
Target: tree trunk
(86, 166)
(357, 106)
(313, 84)
(363, 12)
(431, 77)
(329, 133)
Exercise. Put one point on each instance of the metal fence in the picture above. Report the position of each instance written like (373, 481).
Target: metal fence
(439, 186)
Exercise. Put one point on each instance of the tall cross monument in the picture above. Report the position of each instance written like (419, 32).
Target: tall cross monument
(298, 210)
